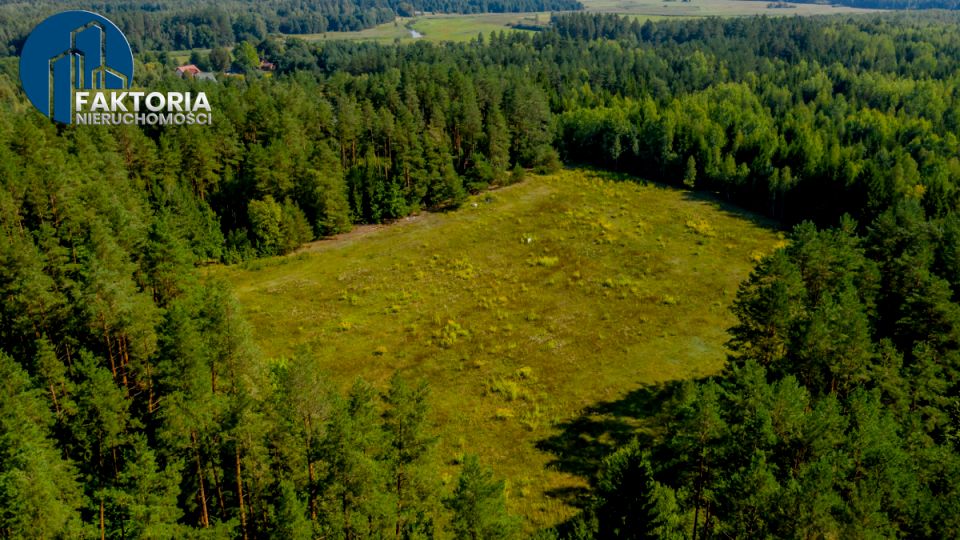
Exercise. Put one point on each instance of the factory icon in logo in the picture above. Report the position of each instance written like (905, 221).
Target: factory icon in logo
(69, 51)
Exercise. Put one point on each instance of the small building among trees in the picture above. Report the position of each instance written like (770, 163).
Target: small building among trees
(191, 71)
(188, 70)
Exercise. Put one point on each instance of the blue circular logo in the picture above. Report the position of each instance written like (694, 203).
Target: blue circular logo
(69, 51)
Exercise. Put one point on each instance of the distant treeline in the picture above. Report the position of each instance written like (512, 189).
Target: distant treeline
(203, 24)
(892, 4)
(771, 113)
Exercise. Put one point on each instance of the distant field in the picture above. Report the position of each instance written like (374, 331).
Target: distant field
(386, 32)
(182, 57)
(465, 27)
(711, 8)
(522, 308)
(438, 27)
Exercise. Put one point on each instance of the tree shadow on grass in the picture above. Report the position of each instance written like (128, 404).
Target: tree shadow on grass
(732, 209)
(581, 444)
(714, 199)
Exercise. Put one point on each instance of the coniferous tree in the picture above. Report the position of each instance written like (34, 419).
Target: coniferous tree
(478, 504)
(40, 496)
(354, 502)
(405, 420)
(633, 504)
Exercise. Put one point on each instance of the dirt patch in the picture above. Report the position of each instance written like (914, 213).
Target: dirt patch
(356, 233)
(362, 231)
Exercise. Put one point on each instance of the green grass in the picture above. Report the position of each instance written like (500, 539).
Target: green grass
(466, 27)
(522, 308)
(439, 27)
(183, 57)
(386, 32)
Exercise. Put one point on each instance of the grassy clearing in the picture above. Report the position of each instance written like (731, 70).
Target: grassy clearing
(438, 27)
(466, 27)
(387, 32)
(182, 57)
(522, 308)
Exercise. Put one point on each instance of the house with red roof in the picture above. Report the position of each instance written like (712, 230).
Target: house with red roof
(188, 70)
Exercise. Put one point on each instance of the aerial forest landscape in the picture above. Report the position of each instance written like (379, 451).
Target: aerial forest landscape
(486, 270)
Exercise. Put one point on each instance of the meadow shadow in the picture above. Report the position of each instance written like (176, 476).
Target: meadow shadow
(732, 209)
(581, 443)
(714, 199)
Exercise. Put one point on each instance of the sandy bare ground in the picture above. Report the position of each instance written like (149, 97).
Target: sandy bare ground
(358, 232)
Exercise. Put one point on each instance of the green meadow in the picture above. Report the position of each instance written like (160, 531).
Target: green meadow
(385, 33)
(466, 27)
(438, 27)
(711, 8)
(524, 307)
(444, 27)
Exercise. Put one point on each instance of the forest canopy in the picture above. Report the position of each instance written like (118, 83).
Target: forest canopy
(135, 403)
(165, 25)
